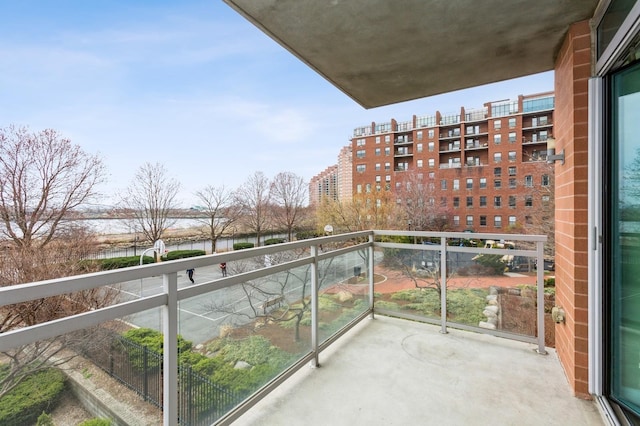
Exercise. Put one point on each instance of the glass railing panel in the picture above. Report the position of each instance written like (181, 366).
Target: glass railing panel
(343, 294)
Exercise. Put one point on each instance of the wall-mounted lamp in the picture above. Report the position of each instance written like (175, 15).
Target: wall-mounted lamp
(552, 157)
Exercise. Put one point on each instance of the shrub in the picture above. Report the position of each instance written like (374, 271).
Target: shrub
(124, 262)
(305, 235)
(550, 282)
(182, 254)
(153, 341)
(37, 393)
(493, 261)
(271, 241)
(96, 422)
(44, 419)
(242, 246)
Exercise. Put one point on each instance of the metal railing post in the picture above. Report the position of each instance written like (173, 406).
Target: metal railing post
(443, 285)
(371, 278)
(314, 306)
(540, 297)
(170, 359)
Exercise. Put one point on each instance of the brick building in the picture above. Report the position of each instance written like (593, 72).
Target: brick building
(334, 182)
(483, 169)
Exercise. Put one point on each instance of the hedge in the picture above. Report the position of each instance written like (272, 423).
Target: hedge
(271, 241)
(181, 254)
(37, 393)
(124, 262)
(241, 246)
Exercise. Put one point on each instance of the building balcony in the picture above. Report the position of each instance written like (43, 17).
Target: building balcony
(405, 332)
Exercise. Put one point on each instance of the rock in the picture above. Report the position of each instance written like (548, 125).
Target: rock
(514, 291)
(493, 290)
(242, 365)
(492, 308)
(344, 296)
(487, 325)
(489, 314)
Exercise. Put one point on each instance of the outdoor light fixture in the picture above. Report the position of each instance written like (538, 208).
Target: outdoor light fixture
(551, 152)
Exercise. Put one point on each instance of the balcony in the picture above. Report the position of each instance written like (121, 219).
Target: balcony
(432, 360)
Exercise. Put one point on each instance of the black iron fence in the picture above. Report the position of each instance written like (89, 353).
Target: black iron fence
(200, 401)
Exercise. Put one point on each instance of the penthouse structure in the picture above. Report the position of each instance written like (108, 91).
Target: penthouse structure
(484, 169)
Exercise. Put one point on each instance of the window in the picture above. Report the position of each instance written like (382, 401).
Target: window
(497, 201)
(387, 138)
(483, 182)
(456, 202)
(456, 184)
(545, 180)
(528, 180)
(497, 139)
(512, 156)
(378, 188)
(387, 178)
(512, 137)
(483, 201)
(528, 201)
(419, 163)
(378, 178)
(483, 221)
(361, 142)
(419, 147)
(469, 201)
(387, 186)
(432, 175)
(377, 139)
(432, 163)
(512, 171)
(512, 201)
(377, 151)
(387, 151)
(377, 167)
(512, 221)
(419, 135)
(546, 199)
(497, 221)
(387, 166)
(469, 183)
(456, 220)
(512, 182)
(443, 201)
(469, 220)
(359, 188)
(360, 153)
(367, 188)
(430, 133)
(360, 168)
(432, 146)
(497, 183)
(443, 184)
(497, 157)
(497, 124)
(398, 186)
(497, 171)
(512, 122)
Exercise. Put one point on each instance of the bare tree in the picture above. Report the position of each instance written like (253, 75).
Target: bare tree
(43, 177)
(151, 196)
(369, 210)
(221, 210)
(253, 197)
(537, 216)
(289, 193)
(421, 211)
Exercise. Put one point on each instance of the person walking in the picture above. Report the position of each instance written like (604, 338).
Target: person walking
(223, 268)
(190, 274)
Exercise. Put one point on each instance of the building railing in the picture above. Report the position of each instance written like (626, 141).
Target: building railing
(298, 274)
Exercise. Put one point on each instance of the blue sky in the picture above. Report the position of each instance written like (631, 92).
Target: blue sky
(189, 84)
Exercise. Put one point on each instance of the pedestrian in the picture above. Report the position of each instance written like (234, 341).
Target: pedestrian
(190, 274)
(223, 268)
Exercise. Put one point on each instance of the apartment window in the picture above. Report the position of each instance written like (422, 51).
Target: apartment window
(512, 221)
(469, 183)
(456, 184)
(432, 175)
(528, 201)
(367, 188)
(360, 168)
(483, 221)
(432, 163)
(359, 188)
(497, 139)
(497, 221)
(387, 138)
(387, 186)
(387, 166)
(377, 167)
(483, 182)
(512, 122)
(432, 146)
(378, 187)
(378, 178)
(419, 147)
(456, 202)
(512, 156)
(483, 201)
(497, 201)
(512, 183)
(497, 171)
(443, 184)
(360, 153)
(512, 137)
(497, 157)
(497, 124)
(512, 201)
(377, 139)
(542, 120)
(469, 201)
(430, 133)
(361, 142)
(512, 171)
(387, 178)
(443, 201)
(431, 186)
(419, 163)
(528, 180)
(377, 151)
(497, 183)
(398, 186)
(387, 151)
(545, 180)
(419, 135)
(546, 199)
(469, 220)
(456, 220)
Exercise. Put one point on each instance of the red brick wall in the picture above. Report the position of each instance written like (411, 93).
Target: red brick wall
(572, 71)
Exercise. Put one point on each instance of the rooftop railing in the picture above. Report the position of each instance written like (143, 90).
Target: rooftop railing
(312, 290)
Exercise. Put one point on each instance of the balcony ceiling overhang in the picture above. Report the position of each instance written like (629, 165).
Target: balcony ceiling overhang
(383, 52)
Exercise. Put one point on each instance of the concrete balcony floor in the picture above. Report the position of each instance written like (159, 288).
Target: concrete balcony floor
(389, 371)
